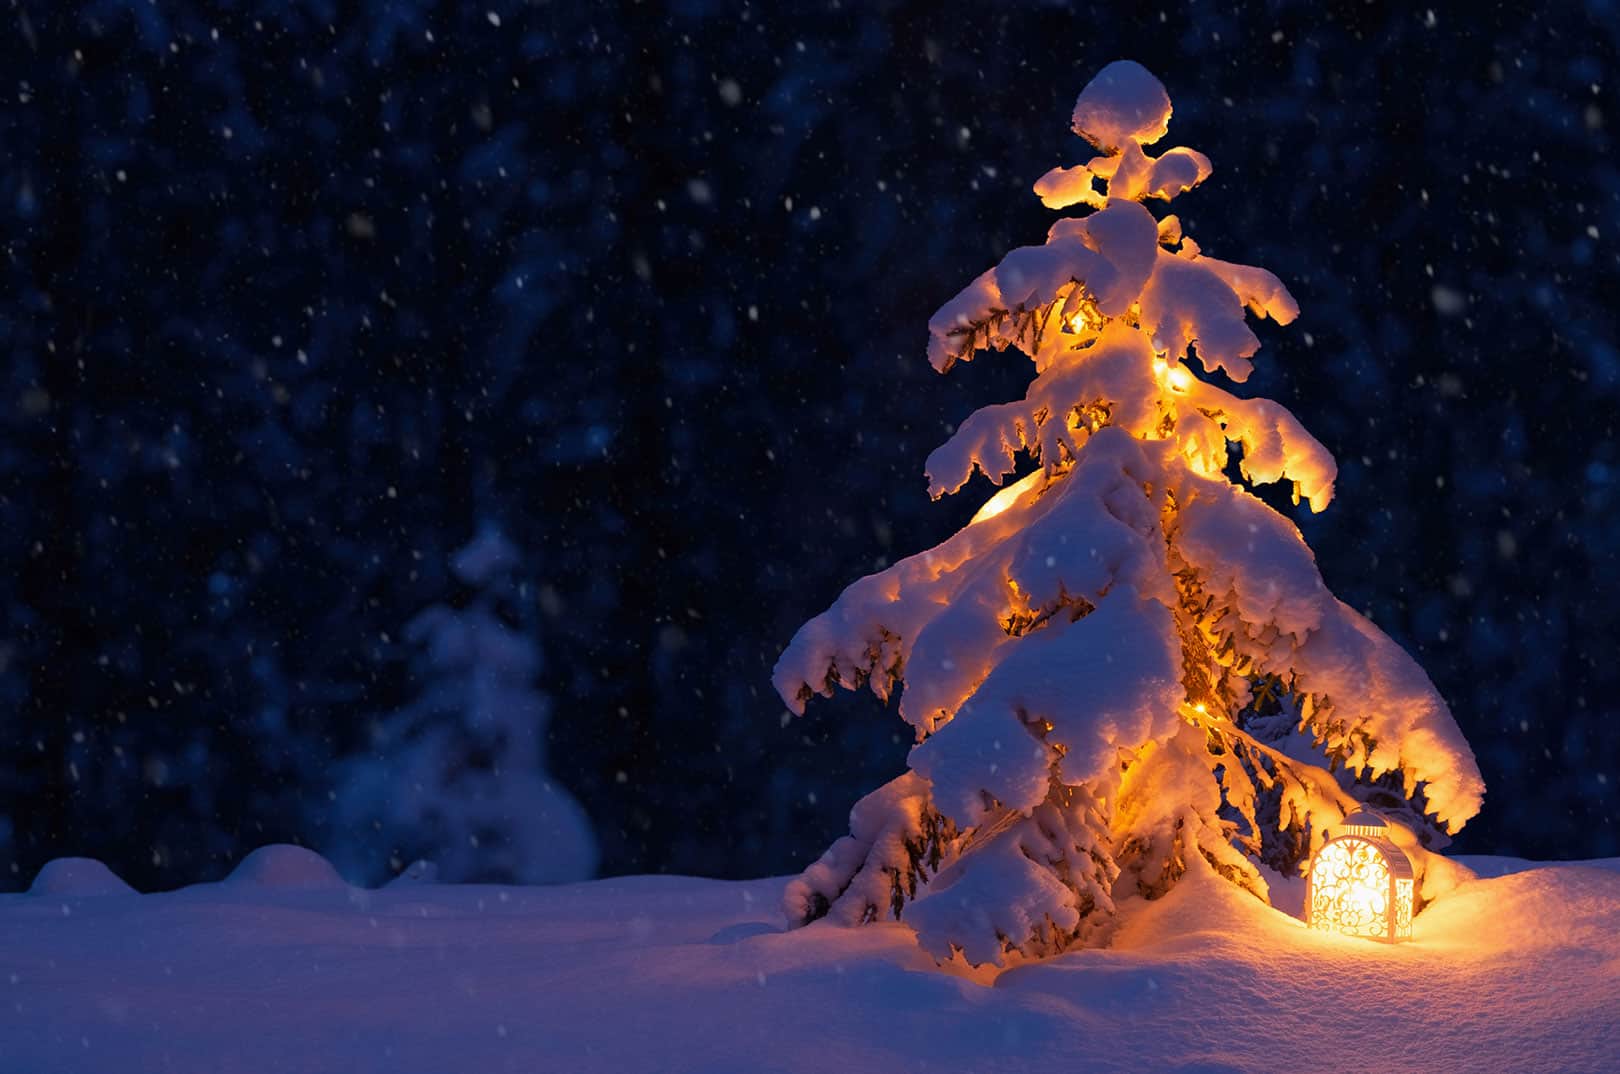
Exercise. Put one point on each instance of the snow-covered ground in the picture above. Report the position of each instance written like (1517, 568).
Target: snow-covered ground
(284, 969)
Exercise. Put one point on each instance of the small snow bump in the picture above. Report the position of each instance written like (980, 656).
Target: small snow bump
(284, 866)
(69, 877)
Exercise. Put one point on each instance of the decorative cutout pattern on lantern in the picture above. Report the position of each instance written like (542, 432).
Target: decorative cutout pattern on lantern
(1361, 883)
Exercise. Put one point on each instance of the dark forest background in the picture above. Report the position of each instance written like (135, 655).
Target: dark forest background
(299, 294)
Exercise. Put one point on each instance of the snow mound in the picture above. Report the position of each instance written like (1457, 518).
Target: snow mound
(286, 867)
(70, 877)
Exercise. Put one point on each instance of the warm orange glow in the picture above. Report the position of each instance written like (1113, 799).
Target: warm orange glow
(1006, 497)
(1083, 321)
(1175, 377)
(1081, 314)
(1357, 889)
(1350, 889)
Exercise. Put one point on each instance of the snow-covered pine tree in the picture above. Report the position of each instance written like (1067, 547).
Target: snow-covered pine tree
(1126, 665)
(459, 775)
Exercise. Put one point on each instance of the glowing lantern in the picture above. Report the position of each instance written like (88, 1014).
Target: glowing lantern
(1361, 883)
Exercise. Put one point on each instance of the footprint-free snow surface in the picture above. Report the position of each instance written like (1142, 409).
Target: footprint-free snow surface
(279, 970)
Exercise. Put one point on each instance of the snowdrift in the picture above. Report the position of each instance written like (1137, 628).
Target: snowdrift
(1513, 972)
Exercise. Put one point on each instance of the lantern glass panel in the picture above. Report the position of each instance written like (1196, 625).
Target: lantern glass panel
(1350, 890)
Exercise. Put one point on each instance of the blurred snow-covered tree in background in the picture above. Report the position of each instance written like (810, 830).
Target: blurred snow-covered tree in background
(458, 776)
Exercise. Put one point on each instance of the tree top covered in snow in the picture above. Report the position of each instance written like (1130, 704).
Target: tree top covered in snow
(1124, 103)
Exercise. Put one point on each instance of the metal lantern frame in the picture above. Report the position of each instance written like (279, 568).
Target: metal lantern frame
(1361, 883)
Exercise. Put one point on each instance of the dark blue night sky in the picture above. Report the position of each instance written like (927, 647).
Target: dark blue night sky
(300, 295)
